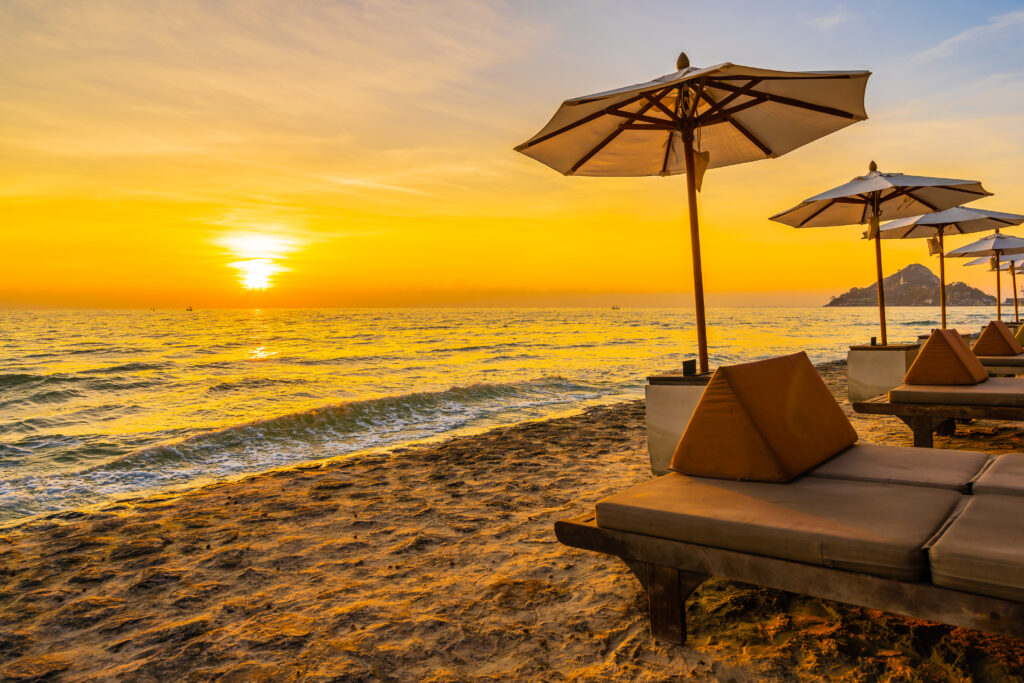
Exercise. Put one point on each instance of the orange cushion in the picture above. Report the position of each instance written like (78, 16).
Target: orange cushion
(770, 420)
(946, 359)
(997, 340)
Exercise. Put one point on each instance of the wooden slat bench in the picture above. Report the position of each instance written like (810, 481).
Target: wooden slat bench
(670, 570)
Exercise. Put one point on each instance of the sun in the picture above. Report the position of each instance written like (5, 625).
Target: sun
(257, 273)
(259, 256)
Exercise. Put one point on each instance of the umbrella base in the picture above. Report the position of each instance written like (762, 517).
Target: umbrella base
(873, 370)
(670, 399)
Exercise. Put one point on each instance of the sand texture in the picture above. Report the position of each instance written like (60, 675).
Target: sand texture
(435, 563)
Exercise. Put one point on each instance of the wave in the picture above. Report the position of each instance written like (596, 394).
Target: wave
(127, 367)
(324, 432)
(26, 379)
(371, 420)
(248, 383)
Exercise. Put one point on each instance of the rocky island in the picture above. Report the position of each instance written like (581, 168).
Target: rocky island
(914, 285)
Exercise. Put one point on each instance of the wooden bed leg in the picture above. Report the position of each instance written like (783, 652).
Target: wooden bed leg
(921, 425)
(946, 428)
(666, 595)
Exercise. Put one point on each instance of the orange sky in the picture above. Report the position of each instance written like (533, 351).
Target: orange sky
(361, 153)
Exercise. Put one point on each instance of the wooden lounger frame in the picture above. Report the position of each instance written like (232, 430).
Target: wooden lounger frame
(670, 570)
(940, 418)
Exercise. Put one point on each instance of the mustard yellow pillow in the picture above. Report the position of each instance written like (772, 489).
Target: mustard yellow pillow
(769, 420)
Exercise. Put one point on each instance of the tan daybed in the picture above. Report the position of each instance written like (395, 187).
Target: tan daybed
(948, 382)
(769, 488)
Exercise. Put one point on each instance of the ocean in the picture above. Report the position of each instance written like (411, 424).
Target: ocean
(96, 405)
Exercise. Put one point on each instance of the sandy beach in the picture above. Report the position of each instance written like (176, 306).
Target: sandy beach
(432, 563)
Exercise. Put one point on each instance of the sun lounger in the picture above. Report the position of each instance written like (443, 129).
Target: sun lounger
(873, 526)
(947, 382)
(999, 350)
(927, 419)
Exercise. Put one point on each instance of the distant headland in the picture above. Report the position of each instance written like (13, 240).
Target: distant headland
(914, 285)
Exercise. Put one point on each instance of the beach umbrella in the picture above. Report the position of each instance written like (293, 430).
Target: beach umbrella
(1012, 263)
(866, 198)
(695, 119)
(959, 220)
(993, 246)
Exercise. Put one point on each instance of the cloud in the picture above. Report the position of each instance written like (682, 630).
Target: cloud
(994, 26)
(361, 184)
(830, 21)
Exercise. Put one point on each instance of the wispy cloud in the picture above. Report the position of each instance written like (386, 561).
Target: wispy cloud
(361, 184)
(838, 16)
(994, 26)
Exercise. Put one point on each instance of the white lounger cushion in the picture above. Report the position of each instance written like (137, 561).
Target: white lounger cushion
(1005, 476)
(982, 551)
(995, 391)
(934, 467)
(874, 528)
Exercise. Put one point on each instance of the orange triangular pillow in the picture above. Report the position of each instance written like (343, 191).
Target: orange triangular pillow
(770, 420)
(945, 359)
(997, 340)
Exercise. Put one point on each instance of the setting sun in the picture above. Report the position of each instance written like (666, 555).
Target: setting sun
(257, 273)
(260, 255)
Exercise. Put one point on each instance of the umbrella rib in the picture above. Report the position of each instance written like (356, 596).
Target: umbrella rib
(738, 126)
(720, 106)
(660, 105)
(750, 136)
(632, 116)
(910, 193)
(586, 119)
(601, 145)
(698, 93)
(668, 150)
(807, 220)
(962, 189)
(720, 117)
(822, 77)
(821, 109)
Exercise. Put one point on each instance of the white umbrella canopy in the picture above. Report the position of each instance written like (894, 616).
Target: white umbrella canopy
(695, 119)
(994, 246)
(956, 221)
(743, 114)
(866, 198)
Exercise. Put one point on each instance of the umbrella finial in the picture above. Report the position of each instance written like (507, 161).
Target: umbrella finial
(682, 61)
(872, 166)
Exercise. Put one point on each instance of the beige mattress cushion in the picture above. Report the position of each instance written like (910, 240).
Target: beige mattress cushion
(1005, 475)
(935, 467)
(1008, 361)
(874, 528)
(982, 551)
(997, 391)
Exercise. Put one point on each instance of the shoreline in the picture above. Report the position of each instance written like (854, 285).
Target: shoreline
(430, 562)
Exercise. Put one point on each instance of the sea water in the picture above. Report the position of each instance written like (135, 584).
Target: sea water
(100, 404)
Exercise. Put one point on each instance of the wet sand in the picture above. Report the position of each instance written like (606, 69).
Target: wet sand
(435, 563)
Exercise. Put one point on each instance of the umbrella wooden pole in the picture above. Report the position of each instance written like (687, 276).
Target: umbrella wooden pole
(698, 275)
(999, 294)
(942, 279)
(1013, 278)
(878, 265)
